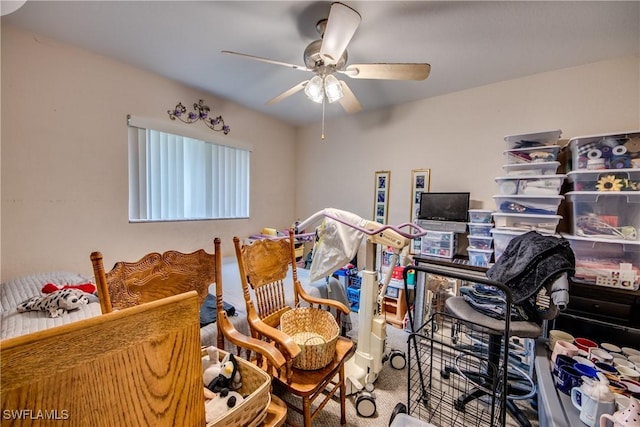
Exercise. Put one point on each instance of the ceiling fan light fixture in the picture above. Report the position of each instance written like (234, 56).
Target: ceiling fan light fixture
(315, 89)
(332, 88)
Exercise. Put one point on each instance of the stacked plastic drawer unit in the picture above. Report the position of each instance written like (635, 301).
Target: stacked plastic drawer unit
(480, 248)
(604, 202)
(529, 189)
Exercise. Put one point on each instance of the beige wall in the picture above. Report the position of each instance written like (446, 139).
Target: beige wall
(64, 160)
(64, 150)
(459, 136)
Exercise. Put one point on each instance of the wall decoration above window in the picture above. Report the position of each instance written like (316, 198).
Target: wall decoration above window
(201, 113)
(381, 196)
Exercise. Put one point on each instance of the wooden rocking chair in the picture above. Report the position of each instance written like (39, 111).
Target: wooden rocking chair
(263, 266)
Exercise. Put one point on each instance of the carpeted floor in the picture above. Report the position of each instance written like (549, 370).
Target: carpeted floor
(391, 388)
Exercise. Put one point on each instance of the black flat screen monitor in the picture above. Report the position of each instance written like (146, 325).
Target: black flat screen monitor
(444, 207)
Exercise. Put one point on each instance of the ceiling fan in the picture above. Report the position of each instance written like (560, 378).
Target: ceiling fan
(328, 56)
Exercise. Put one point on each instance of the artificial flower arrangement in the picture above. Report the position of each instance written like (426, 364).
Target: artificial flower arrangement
(613, 183)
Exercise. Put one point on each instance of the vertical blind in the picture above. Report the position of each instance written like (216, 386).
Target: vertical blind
(174, 177)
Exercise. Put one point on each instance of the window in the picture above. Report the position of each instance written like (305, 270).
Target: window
(173, 177)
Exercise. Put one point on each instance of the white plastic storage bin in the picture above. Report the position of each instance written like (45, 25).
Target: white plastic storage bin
(610, 215)
(526, 222)
(442, 244)
(480, 215)
(606, 151)
(534, 139)
(501, 239)
(478, 229)
(537, 168)
(533, 185)
(479, 242)
(605, 180)
(541, 205)
(532, 155)
(605, 262)
(479, 257)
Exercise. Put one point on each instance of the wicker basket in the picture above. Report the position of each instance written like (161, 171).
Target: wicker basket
(256, 385)
(316, 332)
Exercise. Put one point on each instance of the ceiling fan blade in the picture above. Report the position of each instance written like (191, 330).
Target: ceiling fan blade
(341, 26)
(349, 101)
(268, 61)
(287, 93)
(388, 71)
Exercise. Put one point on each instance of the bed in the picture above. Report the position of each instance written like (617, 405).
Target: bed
(14, 291)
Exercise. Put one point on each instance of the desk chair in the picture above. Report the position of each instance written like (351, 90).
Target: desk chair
(481, 359)
(263, 266)
(495, 329)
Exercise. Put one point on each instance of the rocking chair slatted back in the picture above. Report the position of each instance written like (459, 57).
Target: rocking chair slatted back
(263, 267)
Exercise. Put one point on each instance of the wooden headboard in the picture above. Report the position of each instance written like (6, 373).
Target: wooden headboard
(139, 366)
(155, 276)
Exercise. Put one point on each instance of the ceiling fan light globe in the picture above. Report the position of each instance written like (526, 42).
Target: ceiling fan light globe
(314, 89)
(332, 88)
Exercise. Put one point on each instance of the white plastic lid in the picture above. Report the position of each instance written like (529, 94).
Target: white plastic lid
(557, 176)
(484, 251)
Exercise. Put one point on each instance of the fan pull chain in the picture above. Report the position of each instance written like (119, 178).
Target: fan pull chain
(323, 102)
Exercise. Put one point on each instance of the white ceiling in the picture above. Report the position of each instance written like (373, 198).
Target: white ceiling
(468, 44)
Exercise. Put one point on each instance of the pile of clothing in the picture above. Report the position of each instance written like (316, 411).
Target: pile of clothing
(536, 268)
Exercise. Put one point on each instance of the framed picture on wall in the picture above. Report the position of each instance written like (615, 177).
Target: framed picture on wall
(420, 183)
(381, 196)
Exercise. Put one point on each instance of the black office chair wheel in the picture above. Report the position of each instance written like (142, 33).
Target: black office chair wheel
(365, 404)
(400, 408)
(398, 359)
(445, 373)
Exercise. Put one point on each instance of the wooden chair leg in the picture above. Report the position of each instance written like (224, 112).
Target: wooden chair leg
(306, 411)
(343, 392)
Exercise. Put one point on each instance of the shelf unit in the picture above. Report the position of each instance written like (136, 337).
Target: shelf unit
(395, 308)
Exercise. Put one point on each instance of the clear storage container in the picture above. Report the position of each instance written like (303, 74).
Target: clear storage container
(541, 205)
(532, 155)
(479, 242)
(605, 151)
(526, 222)
(533, 185)
(479, 229)
(480, 215)
(605, 180)
(502, 237)
(537, 168)
(534, 139)
(609, 215)
(442, 244)
(479, 257)
(605, 262)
